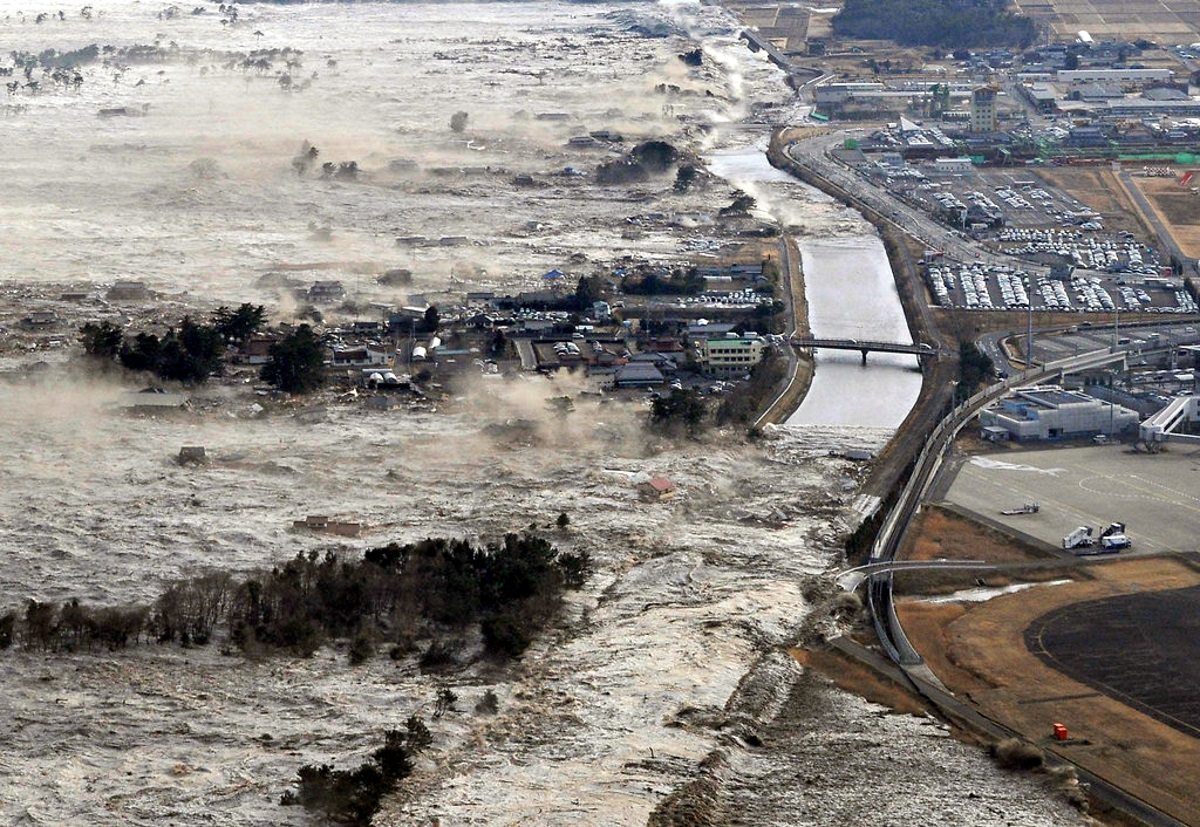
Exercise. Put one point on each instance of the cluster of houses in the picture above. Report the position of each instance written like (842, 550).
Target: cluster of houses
(616, 342)
(656, 347)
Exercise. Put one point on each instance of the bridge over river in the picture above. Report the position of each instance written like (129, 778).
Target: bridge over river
(864, 347)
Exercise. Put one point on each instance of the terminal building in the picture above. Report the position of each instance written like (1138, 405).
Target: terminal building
(1049, 412)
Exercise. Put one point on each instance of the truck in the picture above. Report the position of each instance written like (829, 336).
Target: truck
(1079, 538)
(1112, 539)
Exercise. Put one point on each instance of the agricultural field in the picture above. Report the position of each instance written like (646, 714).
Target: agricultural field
(1173, 21)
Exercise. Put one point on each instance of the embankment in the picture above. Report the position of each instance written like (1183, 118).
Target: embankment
(937, 388)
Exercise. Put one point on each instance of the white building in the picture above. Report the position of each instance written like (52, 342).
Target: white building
(1049, 412)
(951, 166)
(1113, 75)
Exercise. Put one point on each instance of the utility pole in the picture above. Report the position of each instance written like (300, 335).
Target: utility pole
(412, 342)
(1112, 410)
(1029, 340)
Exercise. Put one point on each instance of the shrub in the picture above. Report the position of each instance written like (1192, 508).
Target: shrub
(575, 568)
(446, 698)
(438, 654)
(489, 704)
(417, 734)
(505, 634)
(7, 623)
(362, 649)
(352, 796)
(1015, 754)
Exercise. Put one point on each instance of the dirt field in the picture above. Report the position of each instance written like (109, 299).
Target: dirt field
(1142, 632)
(1099, 189)
(1178, 207)
(784, 25)
(979, 651)
(941, 534)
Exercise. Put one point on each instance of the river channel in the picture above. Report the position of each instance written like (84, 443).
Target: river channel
(851, 294)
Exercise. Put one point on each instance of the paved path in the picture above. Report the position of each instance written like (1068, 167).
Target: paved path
(1165, 239)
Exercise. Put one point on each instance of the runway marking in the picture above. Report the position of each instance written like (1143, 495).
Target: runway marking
(1000, 465)
(1111, 490)
(1068, 514)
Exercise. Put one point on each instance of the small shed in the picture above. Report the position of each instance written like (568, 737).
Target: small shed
(324, 525)
(657, 489)
(128, 291)
(40, 319)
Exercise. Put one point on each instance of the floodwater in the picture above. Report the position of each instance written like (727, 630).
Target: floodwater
(672, 655)
(851, 295)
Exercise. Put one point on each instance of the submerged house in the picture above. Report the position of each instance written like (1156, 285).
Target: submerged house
(657, 489)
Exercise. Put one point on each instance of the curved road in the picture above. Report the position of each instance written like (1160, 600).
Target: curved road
(813, 153)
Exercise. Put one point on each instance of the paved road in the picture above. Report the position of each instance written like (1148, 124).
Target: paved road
(780, 408)
(925, 471)
(1165, 239)
(813, 153)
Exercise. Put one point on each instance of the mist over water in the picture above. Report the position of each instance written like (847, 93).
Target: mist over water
(676, 644)
(95, 199)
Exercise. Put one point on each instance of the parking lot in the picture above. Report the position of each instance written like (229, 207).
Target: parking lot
(978, 286)
(1042, 227)
(1154, 495)
(1083, 247)
(1087, 337)
(1017, 197)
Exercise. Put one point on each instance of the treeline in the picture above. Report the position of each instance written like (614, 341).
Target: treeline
(953, 24)
(682, 412)
(679, 282)
(396, 594)
(188, 353)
